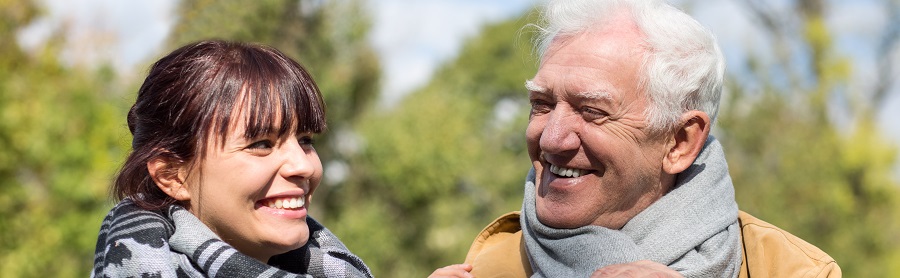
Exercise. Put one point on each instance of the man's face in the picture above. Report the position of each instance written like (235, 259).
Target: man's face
(596, 162)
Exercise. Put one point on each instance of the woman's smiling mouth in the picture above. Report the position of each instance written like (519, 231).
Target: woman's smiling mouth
(285, 202)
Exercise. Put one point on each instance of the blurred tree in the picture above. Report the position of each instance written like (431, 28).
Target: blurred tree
(443, 163)
(793, 165)
(61, 132)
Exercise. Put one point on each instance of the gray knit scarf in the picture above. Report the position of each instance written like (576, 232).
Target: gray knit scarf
(135, 242)
(693, 229)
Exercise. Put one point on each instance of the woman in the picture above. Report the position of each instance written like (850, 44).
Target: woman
(221, 172)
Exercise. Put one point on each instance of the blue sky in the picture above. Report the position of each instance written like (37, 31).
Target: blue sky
(414, 36)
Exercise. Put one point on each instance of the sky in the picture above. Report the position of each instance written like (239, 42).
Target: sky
(414, 36)
(411, 44)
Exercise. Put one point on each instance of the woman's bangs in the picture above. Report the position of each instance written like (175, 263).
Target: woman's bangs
(281, 101)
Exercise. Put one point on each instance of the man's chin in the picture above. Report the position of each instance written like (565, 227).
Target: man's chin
(560, 218)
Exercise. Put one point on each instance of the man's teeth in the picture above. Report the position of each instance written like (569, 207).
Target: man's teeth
(567, 172)
(286, 203)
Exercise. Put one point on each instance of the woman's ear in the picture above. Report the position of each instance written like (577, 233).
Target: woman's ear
(686, 142)
(169, 177)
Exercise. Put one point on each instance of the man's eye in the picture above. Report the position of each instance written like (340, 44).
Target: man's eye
(539, 106)
(593, 114)
(263, 144)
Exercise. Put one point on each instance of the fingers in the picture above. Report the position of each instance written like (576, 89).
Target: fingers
(450, 271)
(638, 269)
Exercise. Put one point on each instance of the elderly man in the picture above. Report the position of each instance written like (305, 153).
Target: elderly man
(626, 178)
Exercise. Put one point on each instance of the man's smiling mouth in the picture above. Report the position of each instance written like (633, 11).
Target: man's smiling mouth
(567, 172)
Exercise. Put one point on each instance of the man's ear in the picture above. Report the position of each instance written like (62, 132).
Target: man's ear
(686, 142)
(169, 177)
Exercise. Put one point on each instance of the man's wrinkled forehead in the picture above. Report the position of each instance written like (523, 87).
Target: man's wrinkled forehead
(533, 87)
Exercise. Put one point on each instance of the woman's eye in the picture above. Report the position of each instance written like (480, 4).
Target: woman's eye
(260, 145)
(306, 140)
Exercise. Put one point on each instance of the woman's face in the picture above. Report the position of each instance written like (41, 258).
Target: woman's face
(254, 193)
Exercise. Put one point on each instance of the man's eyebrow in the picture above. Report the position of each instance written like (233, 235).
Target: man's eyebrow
(531, 86)
(595, 95)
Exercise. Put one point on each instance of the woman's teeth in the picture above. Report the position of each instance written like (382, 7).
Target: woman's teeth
(567, 172)
(286, 203)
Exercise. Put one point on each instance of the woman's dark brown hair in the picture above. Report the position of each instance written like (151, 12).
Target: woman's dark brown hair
(188, 99)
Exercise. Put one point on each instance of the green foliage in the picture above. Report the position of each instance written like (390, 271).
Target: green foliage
(804, 176)
(793, 167)
(63, 138)
(13, 14)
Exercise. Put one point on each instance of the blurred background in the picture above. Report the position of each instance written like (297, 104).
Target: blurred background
(427, 112)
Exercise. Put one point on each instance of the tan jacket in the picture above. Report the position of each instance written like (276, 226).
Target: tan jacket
(499, 251)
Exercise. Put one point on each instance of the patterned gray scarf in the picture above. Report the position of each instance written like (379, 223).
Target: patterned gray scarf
(135, 242)
(693, 229)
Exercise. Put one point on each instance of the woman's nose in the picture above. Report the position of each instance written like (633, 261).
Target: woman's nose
(299, 161)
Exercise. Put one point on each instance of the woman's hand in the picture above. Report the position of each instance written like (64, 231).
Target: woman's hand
(642, 269)
(450, 271)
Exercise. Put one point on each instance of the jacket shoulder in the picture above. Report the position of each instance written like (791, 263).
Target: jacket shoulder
(498, 251)
(772, 252)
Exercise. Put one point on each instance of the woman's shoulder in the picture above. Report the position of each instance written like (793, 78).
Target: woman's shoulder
(127, 220)
(133, 241)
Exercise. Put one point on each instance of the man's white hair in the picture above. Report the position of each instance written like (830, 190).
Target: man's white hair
(683, 68)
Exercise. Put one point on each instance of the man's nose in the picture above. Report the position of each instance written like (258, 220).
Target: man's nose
(561, 132)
